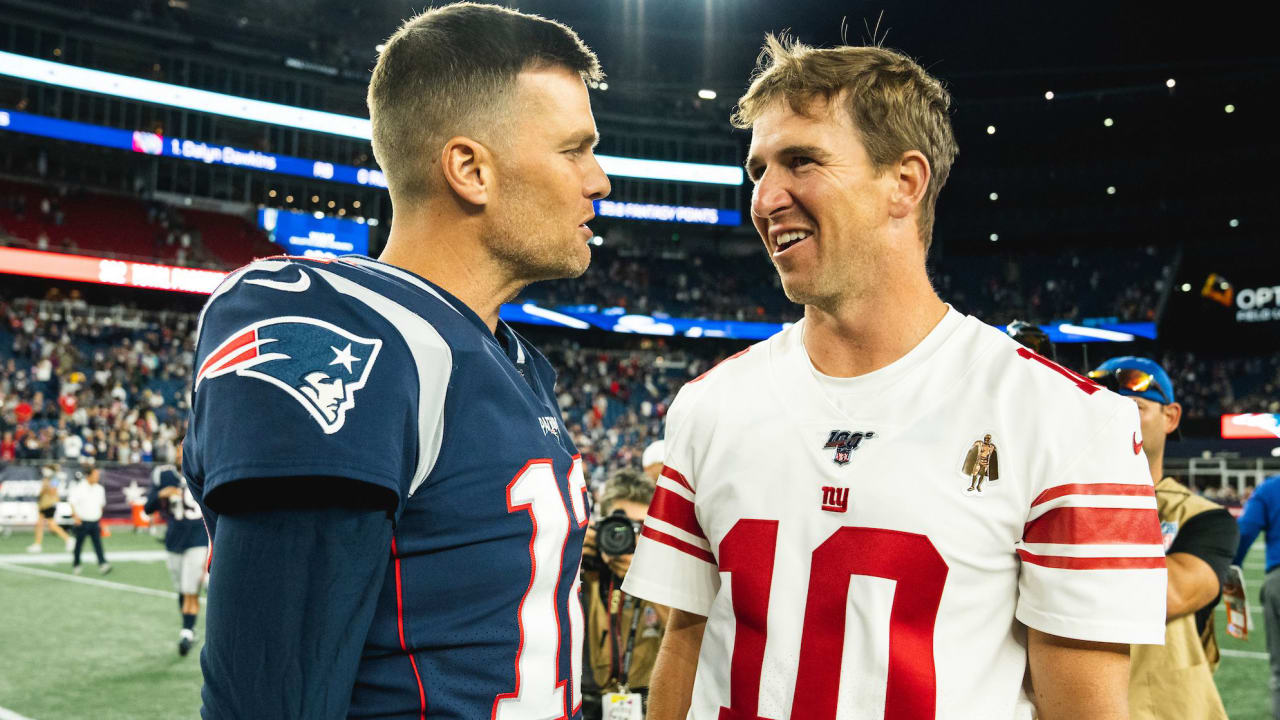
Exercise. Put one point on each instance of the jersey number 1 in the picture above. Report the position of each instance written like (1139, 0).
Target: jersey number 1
(540, 692)
(747, 553)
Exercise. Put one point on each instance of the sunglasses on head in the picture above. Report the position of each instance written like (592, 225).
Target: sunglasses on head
(1129, 379)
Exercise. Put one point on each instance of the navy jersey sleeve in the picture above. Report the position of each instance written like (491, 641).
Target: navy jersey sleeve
(302, 372)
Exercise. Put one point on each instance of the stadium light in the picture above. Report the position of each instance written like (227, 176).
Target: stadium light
(1048, 95)
(318, 215)
(991, 129)
(994, 237)
(379, 48)
(1111, 189)
(1170, 83)
(1229, 109)
(289, 199)
(597, 241)
(356, 204)
(1186, 287)
(993, 197)
(1234, 222)
(271, 193)
(132, 88)
(706, 94)
(1108, 122)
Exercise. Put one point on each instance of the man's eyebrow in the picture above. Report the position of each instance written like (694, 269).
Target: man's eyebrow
(753, 162)
(591, 138)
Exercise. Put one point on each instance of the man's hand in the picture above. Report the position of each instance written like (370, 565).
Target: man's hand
(169, 492)
(671, 683)
(1078, 679)
(619, 564)
(589, 543)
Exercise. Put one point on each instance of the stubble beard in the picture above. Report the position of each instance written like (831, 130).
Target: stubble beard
(526, 241)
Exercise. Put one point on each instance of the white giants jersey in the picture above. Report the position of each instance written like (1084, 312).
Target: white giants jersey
(873, 547)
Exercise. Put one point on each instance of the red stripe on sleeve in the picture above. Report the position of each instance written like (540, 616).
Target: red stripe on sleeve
(1110, 563)
(422, 694)
(1126, 489)
(670, 507)
(1095, 526)
(677, 543)
(673, 475)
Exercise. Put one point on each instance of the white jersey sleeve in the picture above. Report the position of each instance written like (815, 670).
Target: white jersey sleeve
(673, 564)
(1093, 564)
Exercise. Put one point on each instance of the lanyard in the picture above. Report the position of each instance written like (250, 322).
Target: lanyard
(619, 667)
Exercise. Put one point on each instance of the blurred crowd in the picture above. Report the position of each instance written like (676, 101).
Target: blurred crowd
(1209, 385)
(82, 383)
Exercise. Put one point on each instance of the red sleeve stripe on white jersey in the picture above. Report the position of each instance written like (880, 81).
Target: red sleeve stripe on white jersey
(1126, 489)
(1085, 563)
(670, 540)
(673, 475)
(1095, 526)
(1101, 502)
(670, 507)
(1092, 551)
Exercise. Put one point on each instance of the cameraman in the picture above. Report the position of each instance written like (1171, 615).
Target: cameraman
(623, 632)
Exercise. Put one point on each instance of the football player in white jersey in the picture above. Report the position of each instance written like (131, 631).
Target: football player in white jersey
(889, 510)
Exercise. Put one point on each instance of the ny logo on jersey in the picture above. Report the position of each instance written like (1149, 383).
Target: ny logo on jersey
(835, 499)
(845, 442)
(318, 364)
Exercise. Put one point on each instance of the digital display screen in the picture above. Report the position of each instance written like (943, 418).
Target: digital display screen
(306, 235)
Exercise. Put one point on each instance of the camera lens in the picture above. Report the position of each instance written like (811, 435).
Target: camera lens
(615, 535)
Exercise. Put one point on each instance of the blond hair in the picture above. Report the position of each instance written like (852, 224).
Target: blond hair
(894, 104)
(626, 484)
(451, 71)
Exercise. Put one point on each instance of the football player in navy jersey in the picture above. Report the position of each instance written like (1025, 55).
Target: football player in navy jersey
(185, 539)
(396, 508)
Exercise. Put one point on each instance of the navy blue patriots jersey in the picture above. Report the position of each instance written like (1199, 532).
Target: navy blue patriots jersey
(183, 518)
(358, 369)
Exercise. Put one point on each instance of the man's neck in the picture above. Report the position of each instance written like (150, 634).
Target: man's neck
(449, 253)
(867, 333)
(1157, 469)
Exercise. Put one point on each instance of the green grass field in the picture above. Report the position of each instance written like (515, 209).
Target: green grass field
(106, 647)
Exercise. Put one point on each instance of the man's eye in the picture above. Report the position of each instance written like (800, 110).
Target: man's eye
(800, 160)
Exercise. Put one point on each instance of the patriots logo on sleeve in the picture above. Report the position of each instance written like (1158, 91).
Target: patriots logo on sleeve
(318, 364)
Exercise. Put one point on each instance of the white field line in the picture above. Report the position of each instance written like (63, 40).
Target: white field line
(1248, 654)
(6, 714)
(85, 557)
(87, 581)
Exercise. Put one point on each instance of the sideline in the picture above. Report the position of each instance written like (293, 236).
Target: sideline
(64, 558)
(86, 581)
(1248, 654)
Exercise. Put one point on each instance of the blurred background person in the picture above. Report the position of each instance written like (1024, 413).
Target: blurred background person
(185, 540)
(47, 505)
(1175, 680)
(623, 632)
(88, 499)
(652, 459)
(1262, 515)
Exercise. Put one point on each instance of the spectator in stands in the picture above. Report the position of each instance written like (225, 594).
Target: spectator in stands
(653, 457)
(47, 506)
(1175, 680)
(1262, 515)
(88, 499)
(623, 632)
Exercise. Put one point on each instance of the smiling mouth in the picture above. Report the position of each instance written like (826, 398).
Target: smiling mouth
(789, 240)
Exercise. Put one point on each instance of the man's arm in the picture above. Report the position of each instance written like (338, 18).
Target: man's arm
(292, 593)
(1198, 560)
(1078, 679)
(671, 684)
(1252, 522)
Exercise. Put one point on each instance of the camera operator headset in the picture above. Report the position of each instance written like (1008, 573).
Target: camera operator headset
(623, 632)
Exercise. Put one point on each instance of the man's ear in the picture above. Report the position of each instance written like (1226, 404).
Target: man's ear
(1172, 417)
(468, 169)
(910, 182)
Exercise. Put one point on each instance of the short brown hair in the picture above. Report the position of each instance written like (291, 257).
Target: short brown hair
(447, 71)
(626, 484)
(894, 104)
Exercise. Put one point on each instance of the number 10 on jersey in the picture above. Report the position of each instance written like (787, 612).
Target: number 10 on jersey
(747, 553)
(540, 692)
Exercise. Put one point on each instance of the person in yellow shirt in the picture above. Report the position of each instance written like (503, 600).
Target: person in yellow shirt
(1175, 680)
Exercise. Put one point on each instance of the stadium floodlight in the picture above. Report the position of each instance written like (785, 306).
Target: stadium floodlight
(1048, 95)
(706, 94)
(1170, 83)
(1229, 109)
(1108, 122)
(1186, 287)
(318, 215)
(1234, 222)
(991, 129)
(1097, 333)
(993, 197)
(994, 237)
(379, 48)
(1111, 189)
(134, 88)
(24, 67)
(669, 170)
